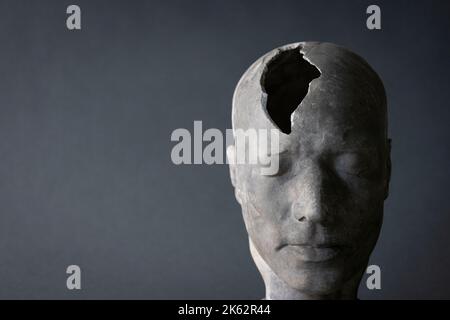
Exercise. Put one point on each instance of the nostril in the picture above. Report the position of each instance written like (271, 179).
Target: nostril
(301, 219)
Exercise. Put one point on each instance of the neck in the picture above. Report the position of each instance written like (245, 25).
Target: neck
(277, 289)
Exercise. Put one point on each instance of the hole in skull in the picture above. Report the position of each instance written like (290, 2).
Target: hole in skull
(286, 82)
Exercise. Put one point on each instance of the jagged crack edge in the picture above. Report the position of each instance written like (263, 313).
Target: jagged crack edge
(304, 56)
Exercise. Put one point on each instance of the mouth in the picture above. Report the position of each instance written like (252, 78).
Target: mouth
(315, 253)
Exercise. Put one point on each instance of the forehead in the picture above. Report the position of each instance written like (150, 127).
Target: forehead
(334, 124)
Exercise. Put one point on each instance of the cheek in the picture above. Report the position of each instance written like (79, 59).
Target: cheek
(269, 196)
(362, 220)
(263, 211)
(367, 211)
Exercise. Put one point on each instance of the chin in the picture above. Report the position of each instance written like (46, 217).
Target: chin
(316, 280)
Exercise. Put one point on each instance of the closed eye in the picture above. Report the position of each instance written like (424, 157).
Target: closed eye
(355, 164)
(284, 165)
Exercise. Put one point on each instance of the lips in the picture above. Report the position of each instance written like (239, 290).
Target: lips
(314, 253)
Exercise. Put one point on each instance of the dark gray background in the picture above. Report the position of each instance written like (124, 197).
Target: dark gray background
(85, 123)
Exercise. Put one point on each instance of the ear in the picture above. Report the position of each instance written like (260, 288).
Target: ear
(231, 157)
(388, 169)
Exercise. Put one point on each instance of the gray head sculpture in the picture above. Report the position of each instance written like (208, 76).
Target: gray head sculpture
(313, 225)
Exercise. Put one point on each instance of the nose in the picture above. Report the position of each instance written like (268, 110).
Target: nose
(310, 199)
